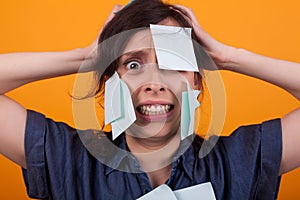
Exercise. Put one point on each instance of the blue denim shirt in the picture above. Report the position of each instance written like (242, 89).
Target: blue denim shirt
(244, 165)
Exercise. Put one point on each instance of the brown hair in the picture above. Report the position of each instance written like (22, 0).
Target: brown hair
(138, 14)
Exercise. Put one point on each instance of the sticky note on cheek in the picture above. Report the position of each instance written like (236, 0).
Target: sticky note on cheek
(112, 107)
(174, 48)
(118, 106)
(188, 105)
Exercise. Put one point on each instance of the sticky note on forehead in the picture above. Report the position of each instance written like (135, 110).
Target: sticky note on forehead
(174, 48)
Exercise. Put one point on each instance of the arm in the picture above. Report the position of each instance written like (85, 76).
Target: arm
(17, 69)
(278, 72)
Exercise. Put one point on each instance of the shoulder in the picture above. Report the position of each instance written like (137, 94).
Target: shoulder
(55, 149)
(37, 123)
(255, 136)
(247, 162)
(266, 133)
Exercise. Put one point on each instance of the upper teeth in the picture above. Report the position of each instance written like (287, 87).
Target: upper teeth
(154, 109)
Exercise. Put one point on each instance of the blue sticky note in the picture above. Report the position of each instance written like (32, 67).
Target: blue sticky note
(185, 115)
(128, 116)
(188, 105)
(119, 110)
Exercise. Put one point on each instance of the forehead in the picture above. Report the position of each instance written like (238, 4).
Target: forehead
(139, 41)
(143, 39)
(173, 46)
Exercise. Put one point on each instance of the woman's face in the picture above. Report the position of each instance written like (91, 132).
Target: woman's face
(156, 93)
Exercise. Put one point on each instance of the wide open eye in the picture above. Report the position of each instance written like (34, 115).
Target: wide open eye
(133, 65)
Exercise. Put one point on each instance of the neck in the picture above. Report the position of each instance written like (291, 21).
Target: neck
(155, 152)
(160, 176)
(154, 155)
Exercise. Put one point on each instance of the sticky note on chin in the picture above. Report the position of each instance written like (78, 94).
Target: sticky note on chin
(118, 106)
(188, 105)
(174, 48)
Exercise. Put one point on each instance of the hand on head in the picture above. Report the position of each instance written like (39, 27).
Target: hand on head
(90, 51)
(219, 52)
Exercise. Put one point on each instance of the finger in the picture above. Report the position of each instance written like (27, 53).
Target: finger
(115, 9)
(183, 7)
(200, 32)
(189, 12)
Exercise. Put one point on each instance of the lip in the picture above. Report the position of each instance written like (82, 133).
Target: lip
(157, 117)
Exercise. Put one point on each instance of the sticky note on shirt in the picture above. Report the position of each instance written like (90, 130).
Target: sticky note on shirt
(161, 192)
(201, 191)
(174, 48)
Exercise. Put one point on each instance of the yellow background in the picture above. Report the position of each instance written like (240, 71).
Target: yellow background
(269, 27)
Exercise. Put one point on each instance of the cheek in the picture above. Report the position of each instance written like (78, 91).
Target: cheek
(189, 76)
(121, 71)
(136, 96)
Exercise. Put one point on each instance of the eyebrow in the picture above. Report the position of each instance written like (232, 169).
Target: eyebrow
(136, 53)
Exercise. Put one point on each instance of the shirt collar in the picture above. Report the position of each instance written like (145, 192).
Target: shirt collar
(185, 155)
(123, 160)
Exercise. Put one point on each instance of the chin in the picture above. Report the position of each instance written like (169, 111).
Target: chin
(154, 130)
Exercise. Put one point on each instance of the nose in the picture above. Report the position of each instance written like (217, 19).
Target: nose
(154, 88)
(155, 84)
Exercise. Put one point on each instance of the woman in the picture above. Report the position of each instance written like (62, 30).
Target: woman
(228, 171)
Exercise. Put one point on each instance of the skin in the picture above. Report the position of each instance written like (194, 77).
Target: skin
(156, 137)
(17, 69)
(282, 73)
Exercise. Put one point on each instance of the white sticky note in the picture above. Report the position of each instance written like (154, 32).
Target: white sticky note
(174, 48)
(201, 191)
(112, 98)
(128, 116)
(188, 106)
(118, 106)
(161, 192)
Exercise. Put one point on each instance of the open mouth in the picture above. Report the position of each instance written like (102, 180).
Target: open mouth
(156, 109)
